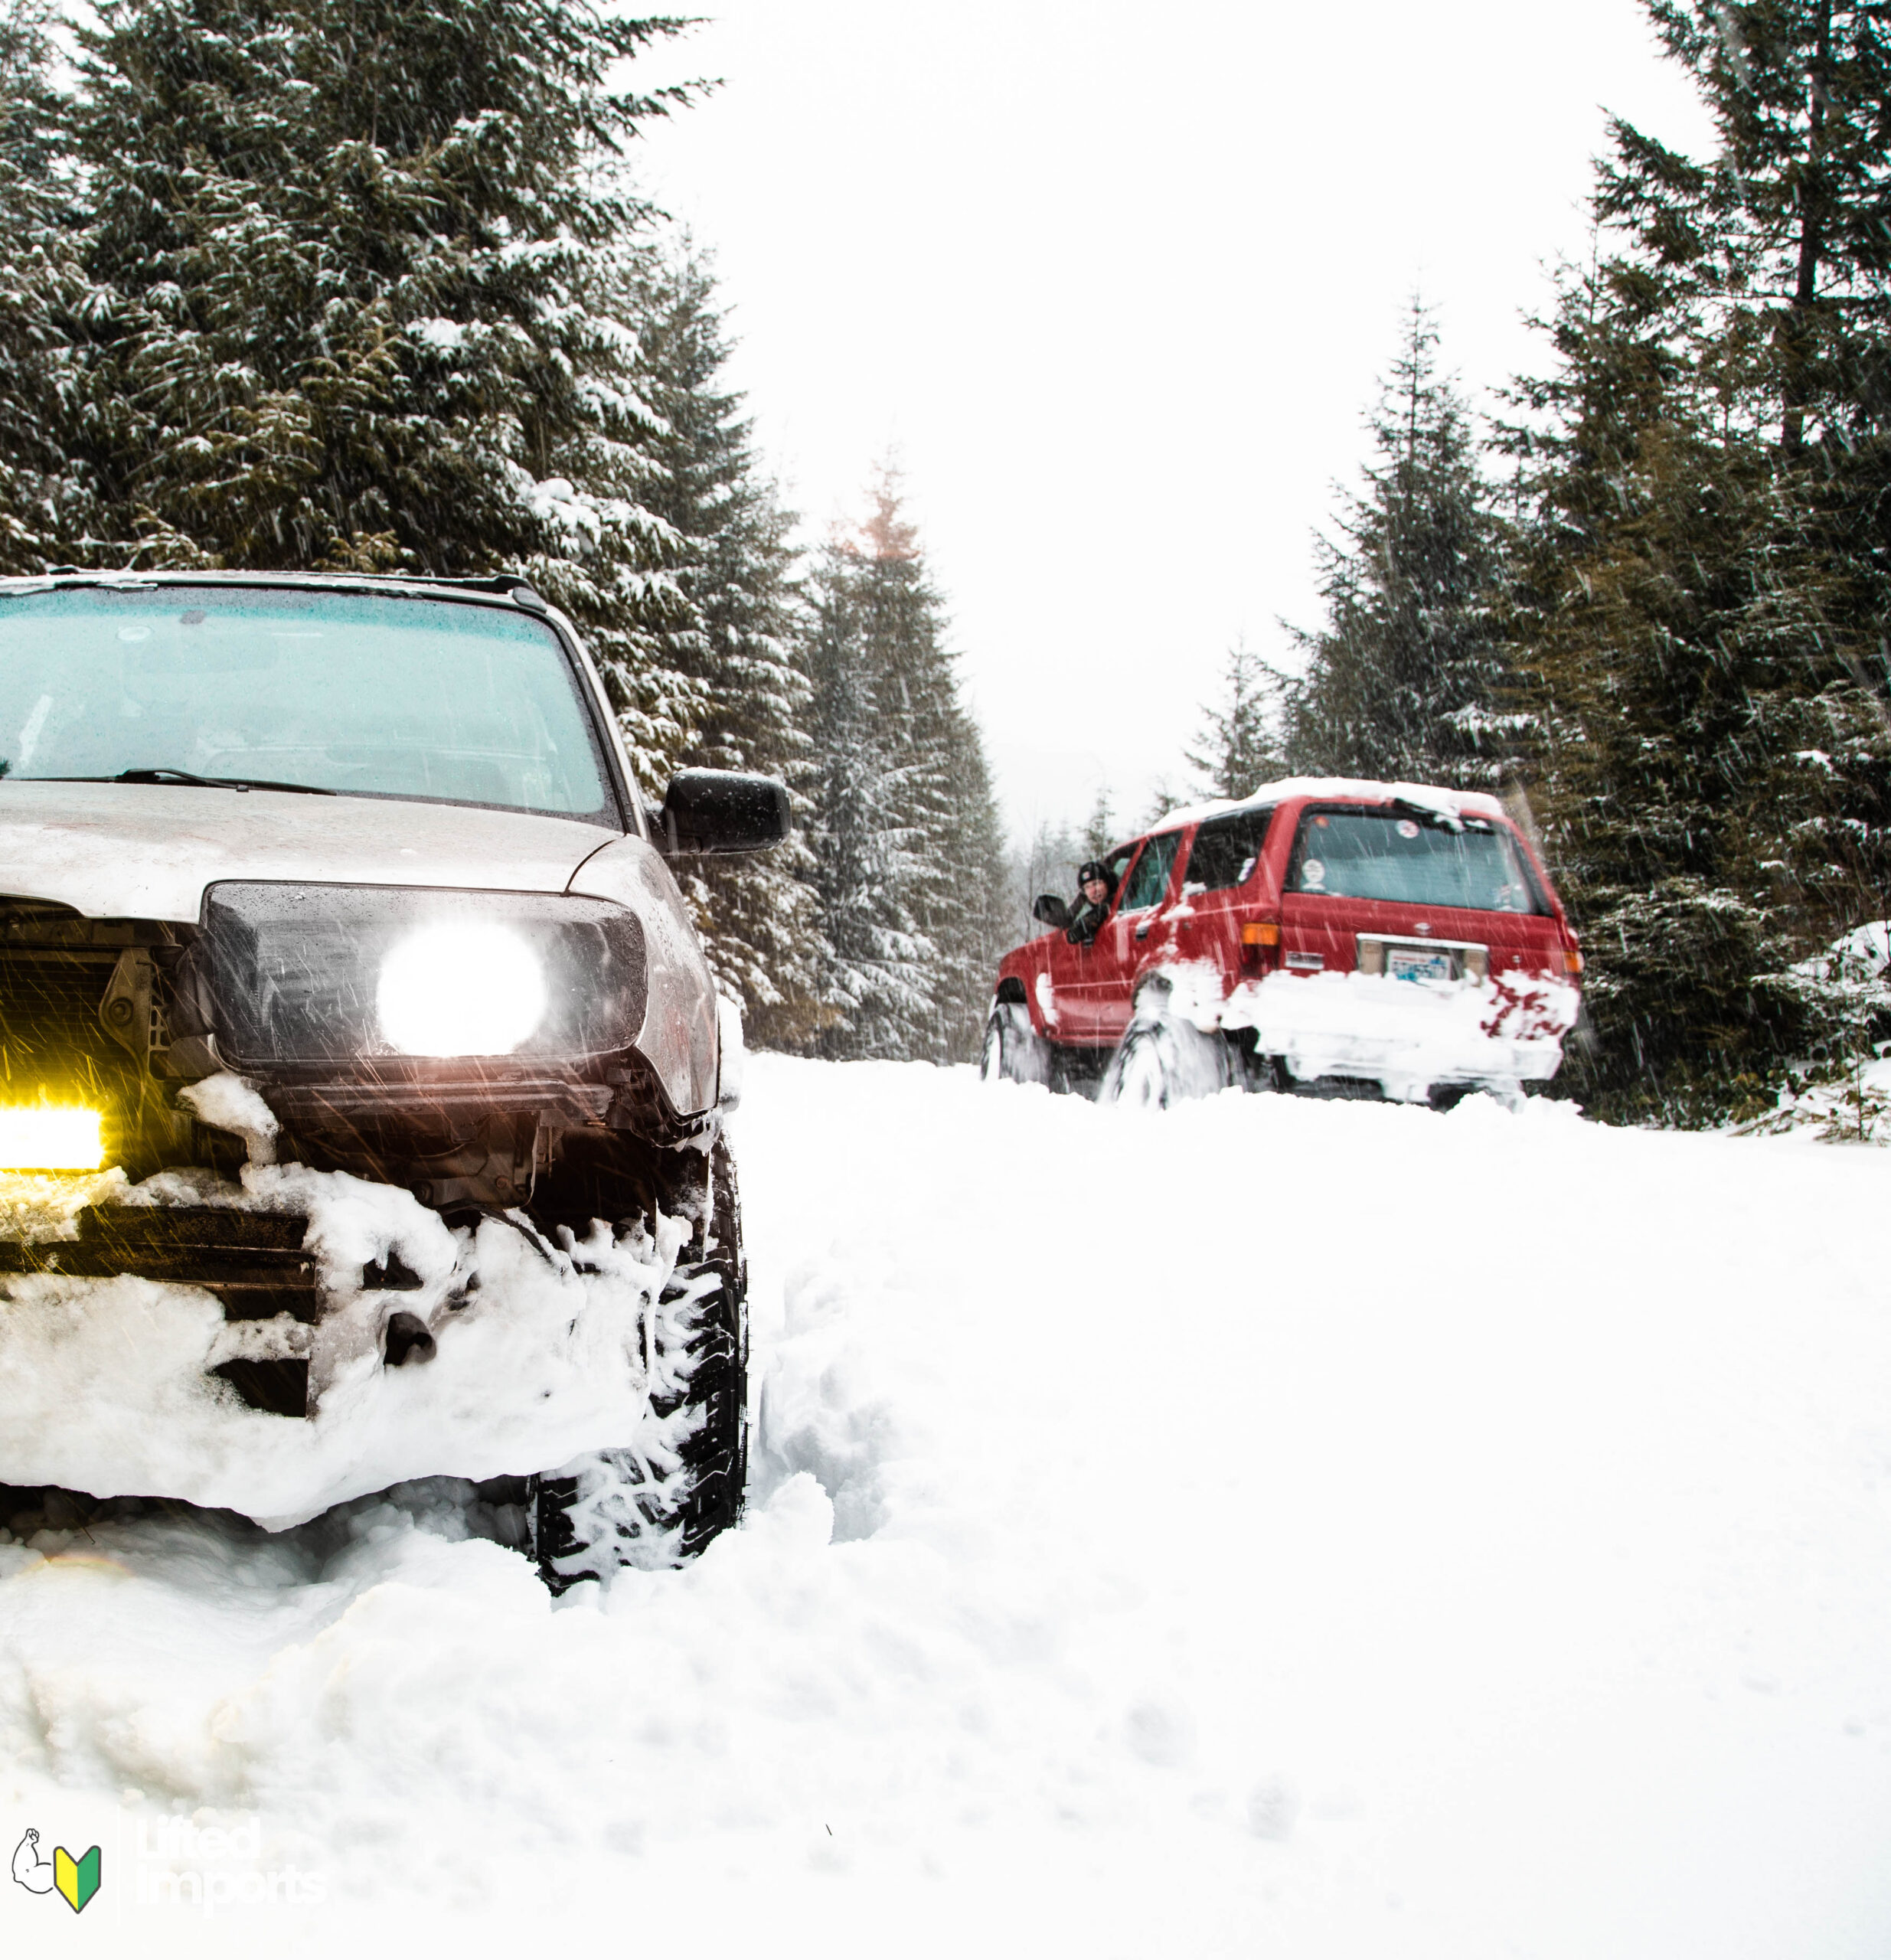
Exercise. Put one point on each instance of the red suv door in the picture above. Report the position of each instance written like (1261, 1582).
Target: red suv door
(1078, 987)
(1124, 945)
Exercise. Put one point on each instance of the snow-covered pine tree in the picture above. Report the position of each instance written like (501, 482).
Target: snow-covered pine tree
(40, 494)
(956, 891)
(1701, 592)
(1099, 830)
(1238, 747)
(1405, 678)
(1163, 797)
(364, 287)
(886, 691)
(876, 966)
(759, 916)
(976, 933)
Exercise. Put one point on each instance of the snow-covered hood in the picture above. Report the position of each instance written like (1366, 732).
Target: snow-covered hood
(142, 851)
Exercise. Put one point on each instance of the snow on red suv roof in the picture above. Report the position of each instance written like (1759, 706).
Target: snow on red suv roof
(1341, 788)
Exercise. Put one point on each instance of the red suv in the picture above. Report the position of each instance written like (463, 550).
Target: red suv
(1355, 937)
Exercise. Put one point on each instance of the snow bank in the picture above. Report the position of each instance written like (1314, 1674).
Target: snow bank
(1267, 1527)
(1845, 1099)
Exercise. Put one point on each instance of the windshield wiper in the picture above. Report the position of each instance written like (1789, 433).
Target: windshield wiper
(183, 778)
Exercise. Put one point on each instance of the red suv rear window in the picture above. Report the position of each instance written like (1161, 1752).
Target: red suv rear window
(1407, 857)
(1227, 848)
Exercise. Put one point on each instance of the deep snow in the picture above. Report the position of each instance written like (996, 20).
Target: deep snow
(1263, 1526)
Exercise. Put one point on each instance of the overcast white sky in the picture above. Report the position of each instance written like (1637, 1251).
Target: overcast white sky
(1117, 282)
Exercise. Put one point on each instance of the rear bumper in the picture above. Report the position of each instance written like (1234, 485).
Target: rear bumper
(1407, 1036)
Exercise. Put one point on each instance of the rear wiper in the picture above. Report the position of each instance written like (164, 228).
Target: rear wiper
(1429, 813)
(187, 780)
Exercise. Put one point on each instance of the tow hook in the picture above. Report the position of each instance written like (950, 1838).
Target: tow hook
(408, 1340)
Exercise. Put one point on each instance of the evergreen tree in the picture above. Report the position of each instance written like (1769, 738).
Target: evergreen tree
(1405, 678)
(759, 915)
(876, 981)
(360, 289)
(1163, 797)
(1099, 827)
(977, 932)
(32, 178)
(1702, 585)
(39, 489)
(1237, 749)
(910, 854)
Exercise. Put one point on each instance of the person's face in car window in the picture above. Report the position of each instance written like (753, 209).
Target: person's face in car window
(1097, 891)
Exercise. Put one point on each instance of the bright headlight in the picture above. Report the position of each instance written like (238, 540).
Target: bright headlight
(38, 1137)
(462, 988)
(324, 976)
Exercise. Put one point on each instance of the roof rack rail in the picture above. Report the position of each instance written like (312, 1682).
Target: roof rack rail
(516, 583)
(483, 582)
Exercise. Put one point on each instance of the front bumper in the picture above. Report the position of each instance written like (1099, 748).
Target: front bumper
(237, 1354)
(255, 1264)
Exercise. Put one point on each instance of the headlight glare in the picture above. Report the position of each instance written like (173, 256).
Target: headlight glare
(460, 988)
(39, 1137)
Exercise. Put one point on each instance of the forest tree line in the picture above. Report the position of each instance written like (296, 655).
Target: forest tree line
(369, 287)
(1649, 602)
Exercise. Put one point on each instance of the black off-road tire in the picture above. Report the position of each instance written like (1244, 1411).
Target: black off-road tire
(1141, 1072)
(1077, 1071)
(1013, 1051)
(640, 1506)
(1163, 1059)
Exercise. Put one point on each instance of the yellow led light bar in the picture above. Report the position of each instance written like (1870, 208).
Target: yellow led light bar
(38, 1137)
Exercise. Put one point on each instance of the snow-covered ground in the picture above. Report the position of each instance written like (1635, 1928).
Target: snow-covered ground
(1267, 1527)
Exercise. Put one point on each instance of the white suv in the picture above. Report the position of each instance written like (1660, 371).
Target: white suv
(363, 1078)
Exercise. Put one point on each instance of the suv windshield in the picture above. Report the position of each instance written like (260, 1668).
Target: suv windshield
(362, 694)
(1408, 859)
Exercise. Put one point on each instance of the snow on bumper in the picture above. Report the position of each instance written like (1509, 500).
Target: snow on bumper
(1406, 1035)
(540, 1356)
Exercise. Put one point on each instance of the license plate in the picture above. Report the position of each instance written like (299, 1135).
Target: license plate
(1418, 963)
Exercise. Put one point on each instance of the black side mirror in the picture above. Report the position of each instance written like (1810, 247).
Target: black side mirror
(718, 812)
(1051, 910)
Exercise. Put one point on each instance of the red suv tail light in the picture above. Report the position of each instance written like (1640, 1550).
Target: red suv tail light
(1260, 944)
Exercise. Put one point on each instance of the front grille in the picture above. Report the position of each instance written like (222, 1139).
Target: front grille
(254, 1264)
(254, 1261)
